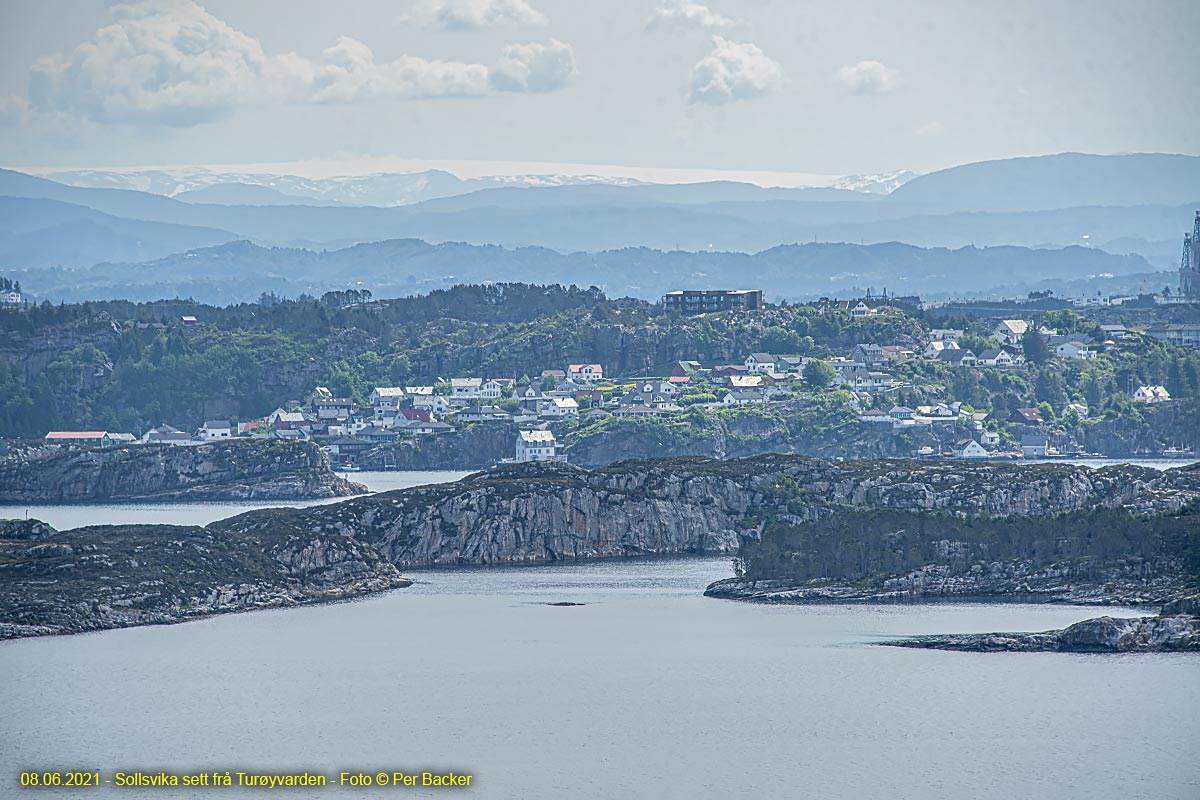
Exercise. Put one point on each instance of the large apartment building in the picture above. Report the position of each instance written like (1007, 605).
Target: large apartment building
(704, 301)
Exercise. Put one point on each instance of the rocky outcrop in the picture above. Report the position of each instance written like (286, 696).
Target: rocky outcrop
(240, 470)
(1102, 635)
(552, 512)
(1084, 555)
(543, 513)
(120, 576)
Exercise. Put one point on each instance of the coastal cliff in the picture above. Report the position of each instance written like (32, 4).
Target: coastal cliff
(955, 515)
(263, 469)
(124, 575)
(553, 512)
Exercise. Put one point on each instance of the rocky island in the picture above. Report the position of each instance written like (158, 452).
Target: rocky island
(247, 469)
(803, 530)
(117, 576)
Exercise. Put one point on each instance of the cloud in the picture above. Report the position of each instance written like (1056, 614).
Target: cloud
(475, 14)
(932, 128)
(348, 72)
(868, 77)
(733, 71)
(534, 67)
(685, 14)
(12, 109)
(173, 63)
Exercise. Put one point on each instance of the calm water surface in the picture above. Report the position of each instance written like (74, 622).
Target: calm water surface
(649, 690)
(64, 517)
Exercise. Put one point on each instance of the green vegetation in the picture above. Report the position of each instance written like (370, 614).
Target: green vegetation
(859, 544)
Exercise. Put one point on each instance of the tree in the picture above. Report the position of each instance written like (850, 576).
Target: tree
(1036, 351)
(818, 374)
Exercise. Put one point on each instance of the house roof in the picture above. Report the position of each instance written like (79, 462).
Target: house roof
(390, 391)
(217, 423)
(760, 357)
(466, 382)
(579, 367)
(1017, 326)
(76, 434)
(537, 437)
(954, 354)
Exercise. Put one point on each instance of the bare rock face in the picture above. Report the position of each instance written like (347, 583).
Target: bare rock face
(551, 512)
(239, 470)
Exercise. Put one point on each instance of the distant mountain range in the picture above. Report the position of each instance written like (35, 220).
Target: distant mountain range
(241, 271)
(1139, 205)
(380, 189)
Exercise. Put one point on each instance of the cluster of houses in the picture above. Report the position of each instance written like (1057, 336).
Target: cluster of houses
(582, 391)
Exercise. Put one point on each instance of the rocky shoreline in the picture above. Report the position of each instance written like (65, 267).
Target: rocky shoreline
(1175, 634)
(117, 576)
(949, 546)
(255, 469)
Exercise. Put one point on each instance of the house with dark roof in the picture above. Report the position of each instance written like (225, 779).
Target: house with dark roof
(1027, 416)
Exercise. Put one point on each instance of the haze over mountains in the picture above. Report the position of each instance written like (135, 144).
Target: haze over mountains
(110, 240)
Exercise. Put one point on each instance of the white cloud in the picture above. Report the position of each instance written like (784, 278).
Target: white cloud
(348, 71)
(174, 63)
(932, 128)
(868, 77)
(686, 14)
(733, 71)
(475, 14)
(534, 67)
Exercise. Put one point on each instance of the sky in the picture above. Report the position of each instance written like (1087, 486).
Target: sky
(755, 87)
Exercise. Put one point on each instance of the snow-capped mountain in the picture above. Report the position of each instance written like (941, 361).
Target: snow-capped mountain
(252, 188)
(885, 183)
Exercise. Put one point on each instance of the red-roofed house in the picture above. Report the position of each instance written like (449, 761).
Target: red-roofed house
(98, 438)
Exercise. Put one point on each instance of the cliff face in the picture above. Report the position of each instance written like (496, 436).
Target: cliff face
(549, 512)
(538, 513)
(241, 470)
(119, 576)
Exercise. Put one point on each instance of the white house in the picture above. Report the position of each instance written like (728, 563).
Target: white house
(560, 408)
(1036, 446)
(741, 398)
(466, 388)
(165, 434)
(585, 373)
(537, 446)
(1077, 350)
(1151, 394)
(215, 429)
(385, 400)
(969, 448)
(989, 438)
(760, 362)
(1010, 331)
(935, 347)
